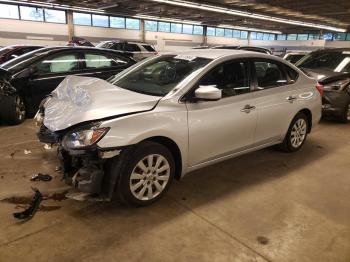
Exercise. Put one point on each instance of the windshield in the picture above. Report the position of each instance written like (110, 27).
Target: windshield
(330, 60)
(160, 75)
(23, 61)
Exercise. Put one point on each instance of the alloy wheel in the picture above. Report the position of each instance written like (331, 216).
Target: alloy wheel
(20, 108)
(149, 177)
(298, 133)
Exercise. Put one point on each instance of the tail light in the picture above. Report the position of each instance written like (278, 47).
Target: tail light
(320, 88)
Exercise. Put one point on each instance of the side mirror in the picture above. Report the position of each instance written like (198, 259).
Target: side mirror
(208, 93)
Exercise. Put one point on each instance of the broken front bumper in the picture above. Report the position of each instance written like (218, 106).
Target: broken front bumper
(83, 169)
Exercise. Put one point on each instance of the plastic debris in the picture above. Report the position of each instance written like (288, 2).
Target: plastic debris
(48, 146)
(27, 152)
(41, 177)
(32, 208)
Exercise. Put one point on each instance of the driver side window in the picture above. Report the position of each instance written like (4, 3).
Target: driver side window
(231, 77)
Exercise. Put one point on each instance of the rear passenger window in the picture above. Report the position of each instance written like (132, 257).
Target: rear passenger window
(93, 61)
(269, 74)
(292, 74)
(149, 48)
(132, 48)
(230, 77)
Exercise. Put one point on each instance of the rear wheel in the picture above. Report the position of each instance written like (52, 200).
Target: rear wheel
(297, 133)
(14, 110)
(146, 176)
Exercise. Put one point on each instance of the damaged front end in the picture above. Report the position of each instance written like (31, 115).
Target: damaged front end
(82, 162)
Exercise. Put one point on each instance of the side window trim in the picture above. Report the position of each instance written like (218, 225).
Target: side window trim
(189, 94)
(281, 66)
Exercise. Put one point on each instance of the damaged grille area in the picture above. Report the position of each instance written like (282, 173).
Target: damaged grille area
(45, 135)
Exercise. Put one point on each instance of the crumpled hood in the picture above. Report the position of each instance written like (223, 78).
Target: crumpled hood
(79, 99)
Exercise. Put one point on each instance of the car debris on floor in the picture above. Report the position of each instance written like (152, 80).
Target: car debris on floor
(32, 208)
(41, 177)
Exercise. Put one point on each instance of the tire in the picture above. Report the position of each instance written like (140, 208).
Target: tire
(137, 184)
(14, 110)
(345, 116)
(296, 134)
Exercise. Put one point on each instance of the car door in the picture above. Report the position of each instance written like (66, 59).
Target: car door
(49, 73)
(102, 64)
(223, 127)
(274, 100)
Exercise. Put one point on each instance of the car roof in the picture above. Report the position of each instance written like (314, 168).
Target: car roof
(217, 53)
(333, 49)
(127, 42)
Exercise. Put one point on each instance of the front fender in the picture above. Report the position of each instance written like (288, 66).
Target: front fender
(169, 122)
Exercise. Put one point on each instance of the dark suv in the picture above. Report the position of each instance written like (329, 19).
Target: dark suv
(331, 67)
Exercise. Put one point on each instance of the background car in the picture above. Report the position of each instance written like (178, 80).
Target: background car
(294, 57)
(247, 48)
(331, 67)
(79, 41)
(10, 52)
(173, 114)
(26, 80)
(136, 50)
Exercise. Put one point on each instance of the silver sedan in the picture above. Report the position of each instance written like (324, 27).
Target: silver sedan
(130, 136)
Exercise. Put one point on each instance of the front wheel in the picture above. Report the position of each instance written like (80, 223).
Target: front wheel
(146, 176)
(296, 135)
(14, 110)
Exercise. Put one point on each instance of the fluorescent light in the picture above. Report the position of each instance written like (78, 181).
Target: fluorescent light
(167, 19)
(250, 29)
(228, 11)
(56, 6)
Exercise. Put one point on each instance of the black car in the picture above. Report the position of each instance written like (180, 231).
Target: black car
(12, 51)
(331, 67)
(28, 79)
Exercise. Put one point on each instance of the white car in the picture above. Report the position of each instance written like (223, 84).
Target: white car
(136, 50)
(128, 138)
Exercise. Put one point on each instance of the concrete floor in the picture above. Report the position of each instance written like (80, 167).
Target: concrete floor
(265, 206)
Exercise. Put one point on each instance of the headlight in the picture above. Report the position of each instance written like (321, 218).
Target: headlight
(337, 86)
(84, 138)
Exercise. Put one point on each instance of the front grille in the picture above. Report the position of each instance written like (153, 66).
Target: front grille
(45, 135)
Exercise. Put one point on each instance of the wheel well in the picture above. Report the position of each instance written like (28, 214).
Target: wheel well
(174, 150)
(308, 114)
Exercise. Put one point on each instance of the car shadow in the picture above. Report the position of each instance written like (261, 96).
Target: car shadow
(200, 188)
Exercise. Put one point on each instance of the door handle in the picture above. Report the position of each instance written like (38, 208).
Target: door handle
(247, 108)
(291, 99)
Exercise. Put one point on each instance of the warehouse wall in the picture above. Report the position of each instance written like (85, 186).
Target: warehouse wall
(29, 32)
